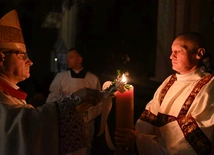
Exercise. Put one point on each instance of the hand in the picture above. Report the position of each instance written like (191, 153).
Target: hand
(126, 138)
(37, 100)
(89, 95)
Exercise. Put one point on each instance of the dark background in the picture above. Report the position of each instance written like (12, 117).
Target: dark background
(107, 31)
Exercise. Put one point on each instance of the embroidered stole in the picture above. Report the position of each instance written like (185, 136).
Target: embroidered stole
(193, 134)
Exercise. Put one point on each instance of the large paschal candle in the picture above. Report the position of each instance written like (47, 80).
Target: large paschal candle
(125, 109)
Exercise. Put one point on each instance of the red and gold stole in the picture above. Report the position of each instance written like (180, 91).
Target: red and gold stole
(193, 134)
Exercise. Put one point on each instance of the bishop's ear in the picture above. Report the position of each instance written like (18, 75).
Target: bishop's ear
(200, 53)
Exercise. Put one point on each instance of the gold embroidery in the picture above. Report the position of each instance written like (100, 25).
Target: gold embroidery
(72, 135)
(193, 94)
(148, 117)
(193, 134)
(173, 78)
(163, 119)
(159, 120)
(11, 34)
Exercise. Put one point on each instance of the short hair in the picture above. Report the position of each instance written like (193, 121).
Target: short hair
(80, 52)
(195, 37)
(72, 49)
(75, 49)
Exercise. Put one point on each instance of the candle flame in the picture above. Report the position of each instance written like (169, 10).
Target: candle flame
(124, 80)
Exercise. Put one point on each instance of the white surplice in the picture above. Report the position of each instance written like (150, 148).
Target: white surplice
(64, 84)
(169, 138)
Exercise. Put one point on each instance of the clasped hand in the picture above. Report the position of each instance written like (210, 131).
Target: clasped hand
(126, 138)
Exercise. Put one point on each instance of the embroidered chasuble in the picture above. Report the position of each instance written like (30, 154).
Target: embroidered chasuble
(180, 117)
(54, 128)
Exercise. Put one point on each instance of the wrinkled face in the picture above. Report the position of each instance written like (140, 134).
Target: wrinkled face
(184, 55)
(16, 66)
(73, 59)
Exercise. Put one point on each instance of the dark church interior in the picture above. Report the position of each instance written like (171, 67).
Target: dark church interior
(108, 32)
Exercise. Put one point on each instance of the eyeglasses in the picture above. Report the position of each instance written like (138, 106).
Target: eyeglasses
(24, 57)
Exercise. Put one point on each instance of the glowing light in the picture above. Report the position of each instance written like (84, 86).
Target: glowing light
(124, 79)
(55, 59)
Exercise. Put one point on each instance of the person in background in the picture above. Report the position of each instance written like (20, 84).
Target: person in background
(54, 128)
(180, 117)
(75, 78)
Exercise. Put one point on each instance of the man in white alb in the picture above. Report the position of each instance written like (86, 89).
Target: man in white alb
(69, 81)
(179, 120)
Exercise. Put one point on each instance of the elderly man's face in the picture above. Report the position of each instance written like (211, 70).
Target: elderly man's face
(16, 66)
(184, 56)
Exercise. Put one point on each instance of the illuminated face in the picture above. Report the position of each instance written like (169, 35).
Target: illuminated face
(73, 59)
(184, 56)
(16, 66)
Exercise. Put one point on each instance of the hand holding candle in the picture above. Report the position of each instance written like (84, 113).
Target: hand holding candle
(124, 100)
(124, 108)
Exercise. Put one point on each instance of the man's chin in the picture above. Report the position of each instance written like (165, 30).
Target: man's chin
(175, 69)
(25, 77)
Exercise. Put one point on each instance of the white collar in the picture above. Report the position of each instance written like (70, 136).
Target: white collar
(9, 83)
(192, 76)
